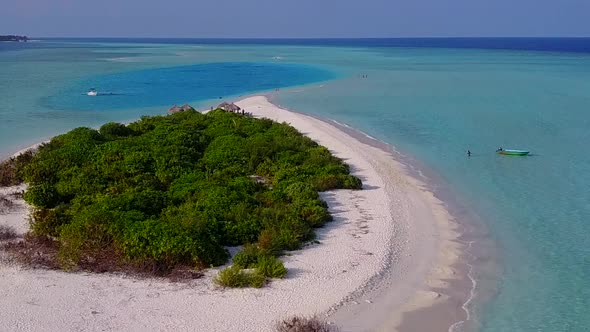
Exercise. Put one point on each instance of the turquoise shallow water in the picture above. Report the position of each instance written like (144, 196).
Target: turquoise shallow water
(43, 85)
(432, 103)
(437, 104)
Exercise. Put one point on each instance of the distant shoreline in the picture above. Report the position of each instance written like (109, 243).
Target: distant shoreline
(573, 44)
(13, 38)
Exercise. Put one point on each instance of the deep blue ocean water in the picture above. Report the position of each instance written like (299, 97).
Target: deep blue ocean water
(171, 85)
(431, 98)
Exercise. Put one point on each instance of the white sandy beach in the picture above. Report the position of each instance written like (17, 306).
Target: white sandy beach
(389, 245)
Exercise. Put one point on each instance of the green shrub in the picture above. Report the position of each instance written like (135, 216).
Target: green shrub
(47, 222)
(271, 267)
(72, 240)
(336, 181)
(169, 245)
(326, 182)
(248, 257)
(225, 151)
(301, 191)
(276, 241)
(113, 130)
(315, 215)
(351, 182)
(235, 277)
(42, 195)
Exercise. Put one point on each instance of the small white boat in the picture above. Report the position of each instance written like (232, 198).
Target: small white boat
(92, 92)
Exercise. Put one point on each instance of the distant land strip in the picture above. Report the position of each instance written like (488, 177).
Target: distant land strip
(14, 38)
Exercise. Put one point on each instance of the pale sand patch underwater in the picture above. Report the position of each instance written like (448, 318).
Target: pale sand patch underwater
(392, 238)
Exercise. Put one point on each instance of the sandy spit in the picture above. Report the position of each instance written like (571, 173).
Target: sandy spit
(388, 247)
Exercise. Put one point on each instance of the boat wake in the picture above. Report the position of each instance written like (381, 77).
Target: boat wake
(105, 94)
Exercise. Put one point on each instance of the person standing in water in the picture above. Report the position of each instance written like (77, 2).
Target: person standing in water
(468, 153)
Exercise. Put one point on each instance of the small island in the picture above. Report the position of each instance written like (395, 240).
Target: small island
(13, 38)
(241, 188)
(170, 194)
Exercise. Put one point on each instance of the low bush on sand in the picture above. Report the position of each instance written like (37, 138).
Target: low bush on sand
(235, 277)
(11, 169)
(44, 252)
(6, 204)
(304, 324)
(251, 268)
(248, 257)
(271, 267)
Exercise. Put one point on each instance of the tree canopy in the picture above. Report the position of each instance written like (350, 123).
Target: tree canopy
(177, 189)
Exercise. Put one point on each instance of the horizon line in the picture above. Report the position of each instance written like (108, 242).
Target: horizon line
(318, 38)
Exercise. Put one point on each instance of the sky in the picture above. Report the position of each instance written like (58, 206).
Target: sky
(295, 18)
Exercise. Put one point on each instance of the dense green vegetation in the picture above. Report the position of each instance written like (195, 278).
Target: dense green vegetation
(176, 190)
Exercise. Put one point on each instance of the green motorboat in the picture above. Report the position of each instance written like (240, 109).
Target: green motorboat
(512, 152)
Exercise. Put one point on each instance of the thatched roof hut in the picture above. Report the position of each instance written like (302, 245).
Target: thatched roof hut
(235, 108)
(229, 107)
(223, 105)
(176, 109)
